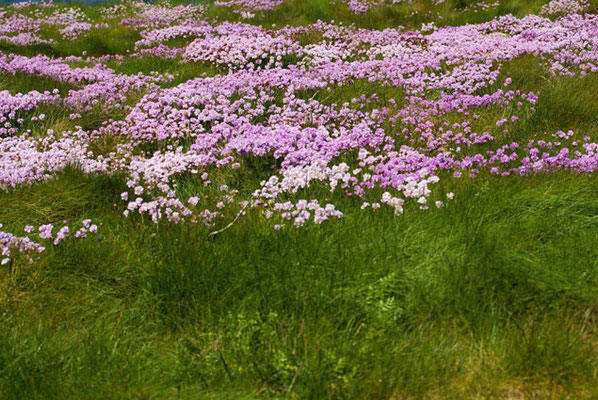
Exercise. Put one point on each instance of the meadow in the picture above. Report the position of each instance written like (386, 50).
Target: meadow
(299, 199)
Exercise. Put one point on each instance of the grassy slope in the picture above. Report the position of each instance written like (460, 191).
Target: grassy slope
(491, 297)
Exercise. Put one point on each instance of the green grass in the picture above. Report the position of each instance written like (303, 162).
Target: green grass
(183, 71)
(498, 289)
(24, 83)
(408, 15)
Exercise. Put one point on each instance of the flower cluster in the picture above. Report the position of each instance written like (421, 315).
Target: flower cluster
(246, 48)
(100, 86)
(378, 117)
(12, 246)
(75, 29)
(250, 5)
(564, 7)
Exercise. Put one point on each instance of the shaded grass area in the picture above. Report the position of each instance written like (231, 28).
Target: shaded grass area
(182, 71)
(498, 289)
(57, 118)
(97, 42)
(24, 83)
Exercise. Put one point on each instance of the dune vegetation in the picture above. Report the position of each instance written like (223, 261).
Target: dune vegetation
(289, 199)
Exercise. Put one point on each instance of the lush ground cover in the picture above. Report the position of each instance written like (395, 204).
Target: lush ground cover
(355, 199)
